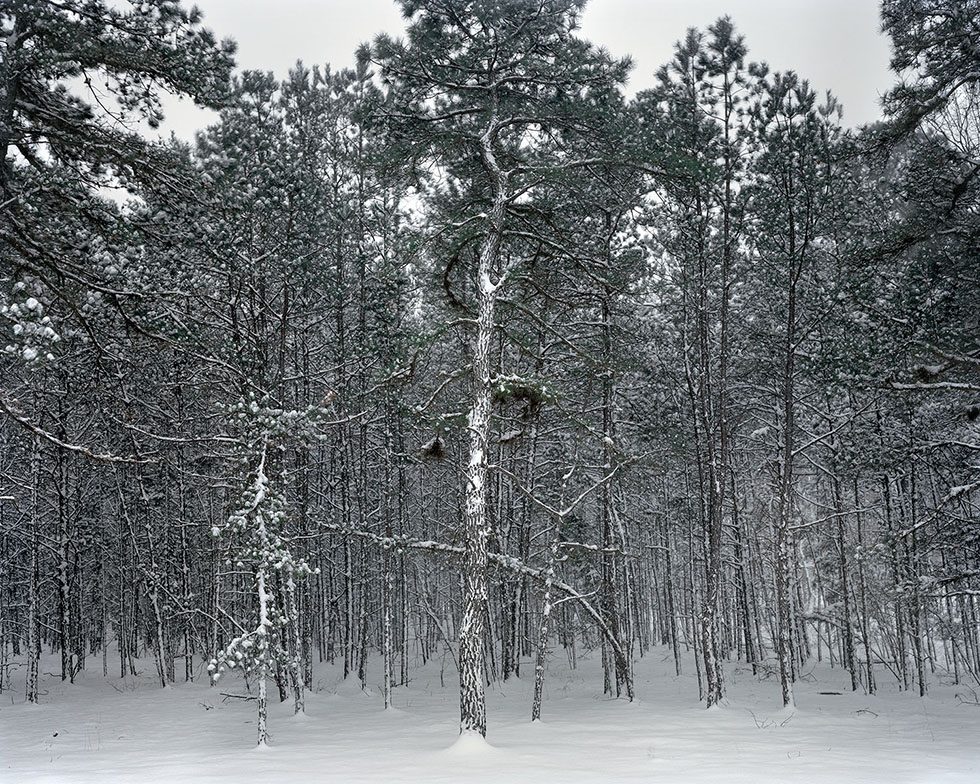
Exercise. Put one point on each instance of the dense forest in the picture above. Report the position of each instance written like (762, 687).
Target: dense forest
(463, 352)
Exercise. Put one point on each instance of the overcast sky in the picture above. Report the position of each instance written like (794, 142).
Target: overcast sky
(836, 44)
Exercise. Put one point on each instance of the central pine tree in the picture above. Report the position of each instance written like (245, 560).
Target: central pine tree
(491, 98)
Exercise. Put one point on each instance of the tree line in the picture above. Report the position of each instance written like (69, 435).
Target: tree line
(461, 354)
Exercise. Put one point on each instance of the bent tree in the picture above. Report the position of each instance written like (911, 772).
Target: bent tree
(491, 98)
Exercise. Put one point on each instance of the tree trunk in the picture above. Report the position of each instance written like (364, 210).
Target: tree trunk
(476, 529)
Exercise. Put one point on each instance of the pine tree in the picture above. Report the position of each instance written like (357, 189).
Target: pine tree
(528, 81)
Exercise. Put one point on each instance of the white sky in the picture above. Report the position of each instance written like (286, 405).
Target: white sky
(836, 44)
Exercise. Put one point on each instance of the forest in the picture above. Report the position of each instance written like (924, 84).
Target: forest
(462, 355)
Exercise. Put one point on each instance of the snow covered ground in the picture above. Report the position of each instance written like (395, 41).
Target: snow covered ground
(128, 730)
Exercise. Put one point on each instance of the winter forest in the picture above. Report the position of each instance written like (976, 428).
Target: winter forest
(460, 375)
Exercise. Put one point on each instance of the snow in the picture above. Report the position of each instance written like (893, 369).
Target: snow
(470, 744)
(122, 730)
(487, 286)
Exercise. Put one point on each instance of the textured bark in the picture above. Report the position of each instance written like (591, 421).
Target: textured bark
(295, 648)
(870, 684)
(847, 626)
(387, 654)
(64, 582)
(784, 510)
(541, 656)
(262, 713)
(476, 528)
(34, 579)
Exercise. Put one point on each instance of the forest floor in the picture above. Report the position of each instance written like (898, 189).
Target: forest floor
(121, 730)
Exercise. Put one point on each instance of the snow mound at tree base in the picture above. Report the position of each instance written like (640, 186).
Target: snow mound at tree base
(470, 744)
